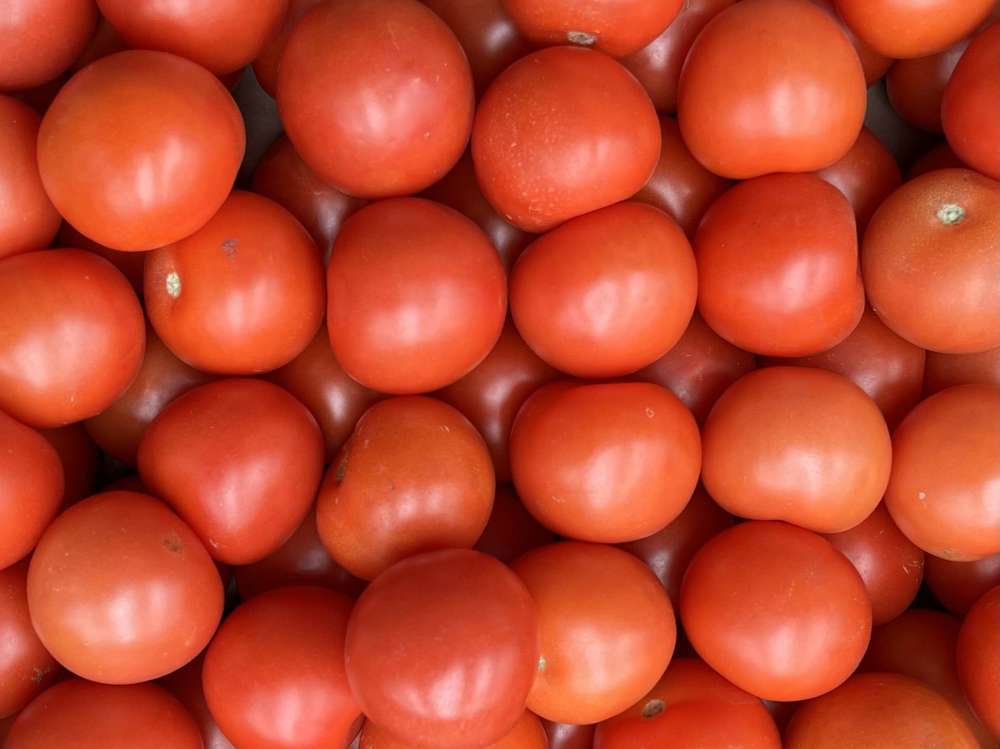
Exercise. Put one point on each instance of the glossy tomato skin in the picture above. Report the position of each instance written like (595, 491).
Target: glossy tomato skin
(915, 86)
(442, 649)
(947, 370)
(733, 102)
(605, 293)
(265, 64)
(274, 675)
(185, 685)
(511, 530)
(243, 294)
(39, 39)
(121, 590)
(78, 340)
(958, 585)
(416, 296)
(978, 655)
(414, 476)
(604, 462)
(240, 459)
(944, 493)
(777, 266)
(79, 458)
(527, 733)
(569, 735)
(370, 119)
(783, 626)
(77, 714)
(124, 160)
(544, 154)
(970, 103)
(26, 667)
(874, 63)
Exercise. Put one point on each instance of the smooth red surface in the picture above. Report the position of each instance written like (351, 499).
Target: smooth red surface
(946, 370)
(26, 667)
(185, 685)
(978, 656)
(527, 733)
(939, 157)
(569, 735)
(39, 39)
(265, 65)
(79, 457)
(511, 530)
(958, 585)
(970, 107)
(875, 64)
(129, 263)
(915, 86)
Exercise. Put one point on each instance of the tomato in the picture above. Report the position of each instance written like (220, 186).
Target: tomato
(442, 649)
(569, 735)
(274, 675)
(604, 462)
(265, 65)
(121, 590)
(544, 154)
(939, 157)
(913, 28)
(958, 585)
(39, 39)
(527, 733)
(185, 685)
(416, 296)
(970, 103)
(103, 42)
(944, 493)
(866, 175)
(140, 149)
(776, 609)
(699, 367)
(606, 293)
(946, 370)
(888, 368)
(874, 63)
(511, 530)
(129, 263)
(770, 86)
(491, 394)
(243, 294)
(377, 97)
(915, 86)
(978, 655)
(78, 714)
(79, 458)
(778, 265)
(414, 476)
(74, 338)
(26, 668)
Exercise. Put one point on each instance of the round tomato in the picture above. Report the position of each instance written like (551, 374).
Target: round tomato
(527, 733)
(79, 457)
(958, 585)
(39, 39)
(569, 735)
(121, 590)
(265, 65)
(442, 649)
(511, 530)
(915, 86)
(978, 655)
(129, 263)
(26, 668)
(185, 685)
(939, 157)
(947, 370)
(875, 64)
(971, 102)
(544, 153)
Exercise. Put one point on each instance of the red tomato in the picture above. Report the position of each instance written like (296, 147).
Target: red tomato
(442, 649)
(78, 714)
(606, 293)
(185, 685)
(511, 530)
(376, 95)
(607, 630)
(978, 655)
(79, 458)
(544, 154)
(265, 65)
(946, 370)
(74, 338)
(569, 735)
(944, 493)
(274, 675)
(121, 590)
(604, 462)
(527, 733)
(874, 63)
(39, 39)
(26, 668)
(958, 585)
(770, 86)
(776, 609)
(778, 265)
(103, 42)
(414, 476)
(971, 102)
(243, 294)
(129, 263)
(416, 296)
(140, 149)
(939, 157)
(915, 86)
(240, 460)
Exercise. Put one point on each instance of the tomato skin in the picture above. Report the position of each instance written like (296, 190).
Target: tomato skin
(777, 266)
(939, 157)
(786, 626)
(544, 154)
(874, 63)
(442, 649)
(527, 733)
(121, 590)
(39, 39)
(129, 263)
(185, 685)
(265, 64)
(26, 667)
(79, 458)
(947, 370)
(240, 459)
(978, 655)
(916, 86)
(958, 585)
(569, 735)
(416, 296)
(970, 103)
(511, 530)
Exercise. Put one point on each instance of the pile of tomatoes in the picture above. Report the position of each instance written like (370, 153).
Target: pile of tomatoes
(570, 374)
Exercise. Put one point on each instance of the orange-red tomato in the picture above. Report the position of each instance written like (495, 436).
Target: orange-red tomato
(377, 96)
(527, 733)
(39, 39)
(946, 370)
(26, 667)
(140, 149)
(544, 153)
(978, 655)
(970, 107)
(265, 65)
(511, 530)
(185, 684)
(129, 263)
(416, 296)
(776, 609)
(939, 157)
(79, 457)
(121, 590)
(958, 585)
(770, 86)
(606, 629)
(915, 86)
(604, 462)
(875, 64)
(944, 493)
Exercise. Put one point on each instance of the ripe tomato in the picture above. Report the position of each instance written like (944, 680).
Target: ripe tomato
(39, 39)
(416, 296)
(79, 458)
(140, 149)
(958, 585)
(527, 733)
(414, 476)
(970, 104)
(569, 735)
(129, 263)
(944, 493)
(606, 628)
(78, 338)
(915, 86)
(239, 459)
(604, 462)
(376, 96)
(875, 64)
(544, 154)
(770, 86)
(946, 370)
(121, 590)
(26, 668)
(776, 609)
(185, 685)
(265, 65)
(939, 157)
(978, 655)
(442, 649)
(778, 265)
(511, 530)
(274, 675)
